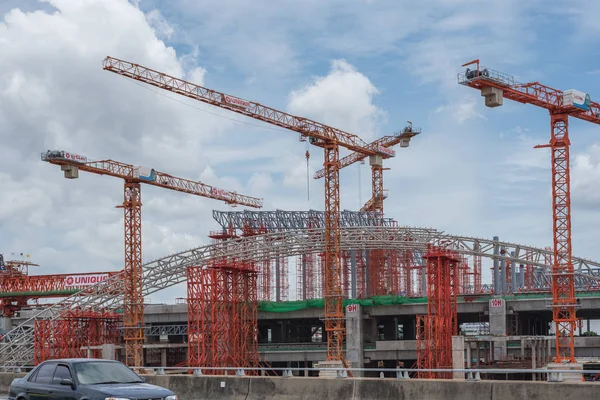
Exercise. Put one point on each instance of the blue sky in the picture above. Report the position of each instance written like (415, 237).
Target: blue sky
(364, 66)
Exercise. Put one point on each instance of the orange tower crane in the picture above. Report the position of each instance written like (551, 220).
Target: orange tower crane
(495, 86)
(375, 204)
(134, 176)
(326, 137)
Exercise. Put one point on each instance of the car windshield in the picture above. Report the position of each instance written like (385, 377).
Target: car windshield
(96, 373)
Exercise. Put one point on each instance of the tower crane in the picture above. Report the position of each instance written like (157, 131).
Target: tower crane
(375, 203)
(495, 86)
(318, 134)
(134, 176)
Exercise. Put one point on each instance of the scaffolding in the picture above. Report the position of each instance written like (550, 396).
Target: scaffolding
(222, 311)
(435, 330)
(67, 336)
(222, 316)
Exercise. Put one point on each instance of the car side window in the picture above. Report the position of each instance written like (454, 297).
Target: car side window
(45, 373)
(62, 372)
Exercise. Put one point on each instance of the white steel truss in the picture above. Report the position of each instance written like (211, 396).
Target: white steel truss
(17, 346)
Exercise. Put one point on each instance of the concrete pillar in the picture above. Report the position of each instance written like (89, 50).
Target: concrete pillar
(534, 363)
(496, 268)
(367, 269)
(424, 279)
(108, 351)
(521, 276)
(458, 356)
(497, 314)
(353, 274)
(478, 344)
(513, 275)
(304, 277)
(502, 272)
(277, 281)
(469, 355)
(549, 347)
(5, 324)
(523, 342)
(163, 357)
(355, 336)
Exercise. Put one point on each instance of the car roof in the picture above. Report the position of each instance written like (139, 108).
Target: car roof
(79, 360)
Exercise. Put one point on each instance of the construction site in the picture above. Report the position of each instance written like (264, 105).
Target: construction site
(354, 290)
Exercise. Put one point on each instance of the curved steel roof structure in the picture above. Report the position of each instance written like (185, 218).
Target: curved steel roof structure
(17, 349)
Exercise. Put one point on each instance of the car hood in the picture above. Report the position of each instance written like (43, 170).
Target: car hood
(132, 390)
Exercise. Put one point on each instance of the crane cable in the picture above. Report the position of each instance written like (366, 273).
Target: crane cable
(307, 155)
(359, 187)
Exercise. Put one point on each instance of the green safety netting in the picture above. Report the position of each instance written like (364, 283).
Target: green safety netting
(289, 306)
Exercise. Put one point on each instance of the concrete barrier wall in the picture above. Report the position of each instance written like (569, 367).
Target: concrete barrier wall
(258, 388)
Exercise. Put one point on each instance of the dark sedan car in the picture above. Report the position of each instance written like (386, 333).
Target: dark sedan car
(85, 379)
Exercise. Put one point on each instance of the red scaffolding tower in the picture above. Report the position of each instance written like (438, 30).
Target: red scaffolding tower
(222, 312)
(435, 330)
(68, 336)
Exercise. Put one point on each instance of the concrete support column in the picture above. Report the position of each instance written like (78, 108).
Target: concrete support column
(5, 324)
(458, 356)
(108, 351)
(549, 347)
(523, 342)
(277, 280)
(521, 276)
(469, 356)
(513, 275)
(497, 311)
(355, 337)
(367, 269)
(496, 268)
(353, 274)
(304, 277)
(163, 357)
(534, 363)
(424, 279)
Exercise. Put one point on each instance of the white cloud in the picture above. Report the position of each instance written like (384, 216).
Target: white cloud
(462, 110)
(160, 25)
(54, 94)
(585, 174)
(343, 99)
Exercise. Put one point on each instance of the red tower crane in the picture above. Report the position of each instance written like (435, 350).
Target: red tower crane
(134, 176)
(326, 137)
(495, 86)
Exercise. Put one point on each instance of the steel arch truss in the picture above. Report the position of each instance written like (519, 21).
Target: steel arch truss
(17, 348)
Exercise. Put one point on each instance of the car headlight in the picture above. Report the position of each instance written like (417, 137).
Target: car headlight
(174, 397)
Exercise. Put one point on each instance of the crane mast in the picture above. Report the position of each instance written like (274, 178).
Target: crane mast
(321, 135)
(494, 87)
(134, 176)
